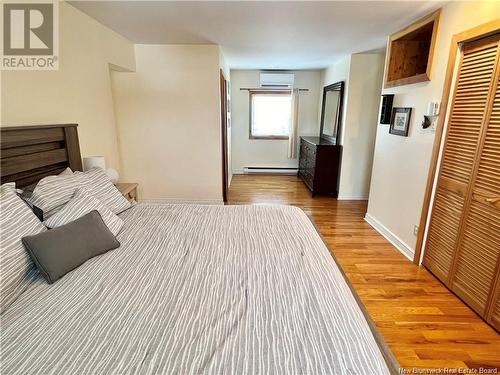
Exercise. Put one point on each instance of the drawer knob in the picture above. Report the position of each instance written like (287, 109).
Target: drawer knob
(492, 200)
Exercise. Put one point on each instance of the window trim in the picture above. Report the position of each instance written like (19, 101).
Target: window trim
(251, 93)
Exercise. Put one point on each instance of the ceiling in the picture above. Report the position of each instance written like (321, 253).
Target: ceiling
(262, 35)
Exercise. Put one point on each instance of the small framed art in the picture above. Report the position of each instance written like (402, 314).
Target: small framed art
(400, 121)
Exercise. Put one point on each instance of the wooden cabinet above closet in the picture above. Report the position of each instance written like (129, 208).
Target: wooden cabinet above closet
(411, 51)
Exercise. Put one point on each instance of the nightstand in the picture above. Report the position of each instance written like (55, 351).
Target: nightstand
(128, 190)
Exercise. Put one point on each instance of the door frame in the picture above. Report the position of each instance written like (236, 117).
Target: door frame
(223, 119)
(470, 35)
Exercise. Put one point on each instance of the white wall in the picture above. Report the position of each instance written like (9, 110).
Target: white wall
(362, 74)
(269, 153)
(79, 92)
(168, 115)
(401, 164)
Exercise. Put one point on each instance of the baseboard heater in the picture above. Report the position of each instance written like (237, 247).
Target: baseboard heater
(269, 170)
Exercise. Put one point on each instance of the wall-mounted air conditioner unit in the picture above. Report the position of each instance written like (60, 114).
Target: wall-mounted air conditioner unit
(281, 80)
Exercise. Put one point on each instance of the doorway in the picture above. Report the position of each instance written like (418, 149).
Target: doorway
(223, 117)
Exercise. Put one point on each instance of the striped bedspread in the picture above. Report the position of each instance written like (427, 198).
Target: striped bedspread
(196, 290)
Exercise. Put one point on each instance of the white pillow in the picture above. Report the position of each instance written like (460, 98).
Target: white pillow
(66, 172)
(53, 192)
(98, 183)
(28, 190)
(80, 205)
(16, 221)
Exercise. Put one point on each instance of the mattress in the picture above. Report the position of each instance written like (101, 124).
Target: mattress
(196, 289)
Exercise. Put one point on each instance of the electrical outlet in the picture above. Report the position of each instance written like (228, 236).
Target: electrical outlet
(415, 230)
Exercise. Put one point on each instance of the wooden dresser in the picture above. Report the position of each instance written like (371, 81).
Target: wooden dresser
(319, 165)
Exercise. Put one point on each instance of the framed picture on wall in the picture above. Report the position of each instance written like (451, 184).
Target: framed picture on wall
(400, 121)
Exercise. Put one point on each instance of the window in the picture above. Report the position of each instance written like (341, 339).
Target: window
(270, 114)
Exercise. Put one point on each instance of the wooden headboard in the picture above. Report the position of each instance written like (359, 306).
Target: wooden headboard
(30, 153)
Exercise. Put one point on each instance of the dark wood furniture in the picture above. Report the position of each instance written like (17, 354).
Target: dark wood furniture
(319, 165)
(320, 157)
(30, 153)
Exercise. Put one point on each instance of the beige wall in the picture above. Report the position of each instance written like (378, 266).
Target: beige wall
(339, 71)
(363, 102)
(401, 164)
(269, 153)
(362, 74)
(168, 116)
(79, 91)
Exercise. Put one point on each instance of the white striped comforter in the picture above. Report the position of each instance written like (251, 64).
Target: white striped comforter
(196, 290)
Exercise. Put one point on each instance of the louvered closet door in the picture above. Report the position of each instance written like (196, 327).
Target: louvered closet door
(475, 268)
(467, 116)
(463, 243)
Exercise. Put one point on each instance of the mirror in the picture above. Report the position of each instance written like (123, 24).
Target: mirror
(331, 112)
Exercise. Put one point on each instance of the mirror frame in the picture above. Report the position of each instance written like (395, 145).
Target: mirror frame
(337, 86)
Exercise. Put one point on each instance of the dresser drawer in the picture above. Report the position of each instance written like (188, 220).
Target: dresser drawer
(307, 163)
(308, 179)
(307, 153)
(307, 149)
(304, 152)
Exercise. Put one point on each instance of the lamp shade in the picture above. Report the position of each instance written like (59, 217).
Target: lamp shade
(113, 175)
(90, 162)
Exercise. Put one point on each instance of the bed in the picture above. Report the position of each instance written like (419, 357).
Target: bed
(197, 289)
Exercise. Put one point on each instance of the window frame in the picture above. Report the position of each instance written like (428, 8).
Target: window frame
(250, 107)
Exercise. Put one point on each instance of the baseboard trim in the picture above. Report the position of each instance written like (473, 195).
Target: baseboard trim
(276, 172)
(403, 248)
(182, 201)
(352, 198)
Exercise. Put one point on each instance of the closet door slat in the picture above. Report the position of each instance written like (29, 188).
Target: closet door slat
(488, 175)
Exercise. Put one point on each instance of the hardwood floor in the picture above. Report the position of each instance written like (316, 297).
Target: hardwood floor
(423, 323)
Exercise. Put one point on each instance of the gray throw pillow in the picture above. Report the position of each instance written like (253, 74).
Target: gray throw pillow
(62, 249)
